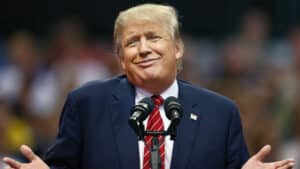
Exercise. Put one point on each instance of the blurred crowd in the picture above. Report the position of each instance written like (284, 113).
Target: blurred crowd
(260, 73)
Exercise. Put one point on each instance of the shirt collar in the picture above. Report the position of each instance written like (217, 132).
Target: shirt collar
(171, 91)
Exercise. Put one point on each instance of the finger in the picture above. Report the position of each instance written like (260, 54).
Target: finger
(287, 166)
(12, 163)
(284, 162)
(27, 152)
(263, 153)
(7, 167)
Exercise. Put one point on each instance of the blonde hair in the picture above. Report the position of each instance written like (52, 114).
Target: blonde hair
(164, 14)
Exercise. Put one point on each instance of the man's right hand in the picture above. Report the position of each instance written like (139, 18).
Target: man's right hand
(35, 162)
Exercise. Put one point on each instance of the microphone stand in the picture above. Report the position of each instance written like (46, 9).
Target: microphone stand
(155, 161)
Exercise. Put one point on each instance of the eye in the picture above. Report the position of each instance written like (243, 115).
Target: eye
(154, 38)
(131, 43)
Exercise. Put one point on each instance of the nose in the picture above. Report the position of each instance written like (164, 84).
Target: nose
(144, 48)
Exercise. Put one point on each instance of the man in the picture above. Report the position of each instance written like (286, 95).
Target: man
(94, 131)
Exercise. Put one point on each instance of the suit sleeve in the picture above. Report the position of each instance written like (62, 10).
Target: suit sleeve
(65, 152)
(236, 147)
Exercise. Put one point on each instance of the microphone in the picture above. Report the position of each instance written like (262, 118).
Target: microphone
(174, 113)
(139, 113)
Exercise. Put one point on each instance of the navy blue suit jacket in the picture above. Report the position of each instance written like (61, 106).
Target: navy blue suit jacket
(94, 131)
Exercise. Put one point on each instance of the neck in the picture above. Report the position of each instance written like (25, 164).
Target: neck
(156, 87)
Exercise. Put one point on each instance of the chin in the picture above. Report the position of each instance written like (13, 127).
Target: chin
(150, 76)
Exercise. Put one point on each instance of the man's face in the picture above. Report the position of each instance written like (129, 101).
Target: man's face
(148, 54)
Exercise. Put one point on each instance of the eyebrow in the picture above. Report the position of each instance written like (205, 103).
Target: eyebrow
(131, 36)
(134, 35)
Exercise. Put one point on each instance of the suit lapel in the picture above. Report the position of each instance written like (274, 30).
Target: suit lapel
(122, 101)
(186, 130)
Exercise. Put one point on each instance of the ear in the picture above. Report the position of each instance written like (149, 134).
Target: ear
(180, 50)
(123, 65)
(121, 58)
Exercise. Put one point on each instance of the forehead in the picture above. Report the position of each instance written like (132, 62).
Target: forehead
(144, 27)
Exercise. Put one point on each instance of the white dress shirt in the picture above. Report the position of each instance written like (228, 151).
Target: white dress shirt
(171, 91)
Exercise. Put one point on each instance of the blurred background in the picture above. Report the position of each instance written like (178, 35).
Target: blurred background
(248, 50)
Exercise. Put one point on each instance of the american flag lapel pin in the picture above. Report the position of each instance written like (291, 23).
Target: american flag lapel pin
(193, 117)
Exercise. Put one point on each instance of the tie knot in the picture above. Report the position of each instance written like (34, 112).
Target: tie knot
(157, 99)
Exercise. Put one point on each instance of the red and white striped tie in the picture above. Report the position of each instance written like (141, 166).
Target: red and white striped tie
(154, 123)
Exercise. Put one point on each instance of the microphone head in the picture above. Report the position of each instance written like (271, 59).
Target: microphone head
(142, 109)
(139, 112)
(173, 108)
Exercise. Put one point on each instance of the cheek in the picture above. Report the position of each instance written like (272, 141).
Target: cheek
(125, 62)
(129, 54)
(125, 58)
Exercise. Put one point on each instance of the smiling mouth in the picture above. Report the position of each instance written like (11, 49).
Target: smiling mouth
(146, 62)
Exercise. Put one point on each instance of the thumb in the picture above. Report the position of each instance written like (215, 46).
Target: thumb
(263, 152)
(27, 152)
